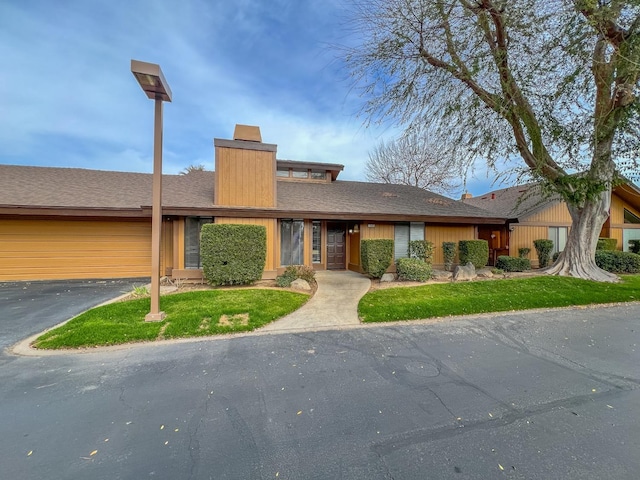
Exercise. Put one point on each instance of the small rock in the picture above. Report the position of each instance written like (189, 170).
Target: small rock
(485, 273)
(468, 272)
(441, 275)
(388, 277)
(300, 284)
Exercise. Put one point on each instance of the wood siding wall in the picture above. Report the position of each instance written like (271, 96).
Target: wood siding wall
(245, 178)
(556, 215)
(523, 236)
(379, 230)
(75, 249)
(272, 238)
(437, 234)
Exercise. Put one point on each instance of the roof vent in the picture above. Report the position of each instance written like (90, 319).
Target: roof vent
(466, 196)
(248, 133)
(493, 196)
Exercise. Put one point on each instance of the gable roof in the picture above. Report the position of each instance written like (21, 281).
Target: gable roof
(514, 202)
(75, 191)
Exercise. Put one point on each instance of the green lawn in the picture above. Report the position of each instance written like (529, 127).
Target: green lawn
(442, 300)
(189, 314)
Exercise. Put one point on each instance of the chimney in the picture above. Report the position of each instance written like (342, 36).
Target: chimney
(248, 133)
(466, 196)
(493, 196)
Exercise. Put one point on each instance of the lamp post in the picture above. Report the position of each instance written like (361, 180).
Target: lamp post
(153, 83)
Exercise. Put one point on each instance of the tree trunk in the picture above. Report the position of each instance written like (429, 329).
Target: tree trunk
(578, 257)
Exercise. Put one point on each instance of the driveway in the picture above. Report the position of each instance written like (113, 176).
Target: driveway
(27, 308)
(519, 395)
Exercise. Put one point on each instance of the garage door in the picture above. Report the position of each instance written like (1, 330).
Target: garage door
(68, 249)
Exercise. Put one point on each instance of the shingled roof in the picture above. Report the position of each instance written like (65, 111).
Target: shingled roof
(64, 189)
(513, 202)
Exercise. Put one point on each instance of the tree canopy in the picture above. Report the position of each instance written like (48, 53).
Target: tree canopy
(553, 82)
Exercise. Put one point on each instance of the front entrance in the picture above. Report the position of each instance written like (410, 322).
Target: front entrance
(336, 246)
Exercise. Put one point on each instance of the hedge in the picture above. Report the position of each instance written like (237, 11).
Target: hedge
(523, 252)
(607, 244)
(376, 256)
(513, 264)
(543, 249)
(421, 249)
(618, 262)
(413, 269)
(233, 254)
(474, 251)
(449, 254)
(634, 246)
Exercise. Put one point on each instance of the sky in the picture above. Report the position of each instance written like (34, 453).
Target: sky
(68, 98)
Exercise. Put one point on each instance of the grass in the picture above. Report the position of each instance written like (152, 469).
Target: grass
(190, 314)
(442, 300)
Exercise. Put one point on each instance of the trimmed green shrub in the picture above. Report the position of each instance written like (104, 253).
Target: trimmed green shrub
(449, 254)
(543, 249)
(413, 269)
(474, 251)
(376, 256)
(523, 252)
(497, 271)
(513, 264)
(293, 272)
(555, 257)
(233, 254)
(634, 246)
(607, 244)
(615, 261)
(421, 249)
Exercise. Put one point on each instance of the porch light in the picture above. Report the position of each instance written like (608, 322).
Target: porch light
(153, 83)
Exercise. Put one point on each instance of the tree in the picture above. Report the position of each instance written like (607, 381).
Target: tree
(193, 168)
(551, 81)
(414, 160)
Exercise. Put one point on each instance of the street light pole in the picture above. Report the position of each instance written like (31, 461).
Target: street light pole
(153, 83)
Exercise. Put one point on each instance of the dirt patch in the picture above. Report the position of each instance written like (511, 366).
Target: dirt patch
(234, 320)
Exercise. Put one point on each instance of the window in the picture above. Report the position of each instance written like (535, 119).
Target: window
(405, 233)
(192, 228)
(300, 173)
(316, 241)
(291, 242)
(630, 217)
(282, 172)
(318, 174)
(558, 235)
(629, 234)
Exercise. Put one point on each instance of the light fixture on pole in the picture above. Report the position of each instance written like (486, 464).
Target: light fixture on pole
(153, 83)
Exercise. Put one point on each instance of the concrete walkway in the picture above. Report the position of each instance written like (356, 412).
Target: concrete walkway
(335, 304)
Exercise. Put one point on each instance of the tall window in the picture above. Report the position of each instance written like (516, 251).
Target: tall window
(291, 242)
(405, 233)
(316, 241)
(559, 237)
(192, 228)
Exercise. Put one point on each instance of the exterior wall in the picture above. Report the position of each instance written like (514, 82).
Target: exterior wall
(523, 236)
(273, 240)
(555, 215)
(353, 262)
(378, 230)
(616, 219)
(437, 234)
(76, 249)
(245, 177)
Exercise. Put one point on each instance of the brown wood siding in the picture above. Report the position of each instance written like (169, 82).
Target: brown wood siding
(523, 236)
(245, 178)
(379, 230)
(618, 206)
(68, 249)
(354, 249)
(270, 225)
(555, 215)
(437, 234)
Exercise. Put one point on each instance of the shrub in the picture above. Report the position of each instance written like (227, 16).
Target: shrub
(449, 254)
(497, 271)
(233, 254)
(293, 272)
(513, 264)
(413, 269)
(543, 249)
(474, 251)
(555, 257)
(523, 252)
(615, 261)
(421, 249)
(607, 244)
(634, 246)
(376, 256)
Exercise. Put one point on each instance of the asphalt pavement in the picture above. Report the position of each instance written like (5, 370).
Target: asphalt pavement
(542, 395)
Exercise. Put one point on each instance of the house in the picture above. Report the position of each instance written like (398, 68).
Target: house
(531, 215)
(68, 223)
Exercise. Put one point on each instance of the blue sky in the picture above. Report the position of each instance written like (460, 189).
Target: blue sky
(68, 98)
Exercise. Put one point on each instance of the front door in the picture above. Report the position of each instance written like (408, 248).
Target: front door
(336, 246)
